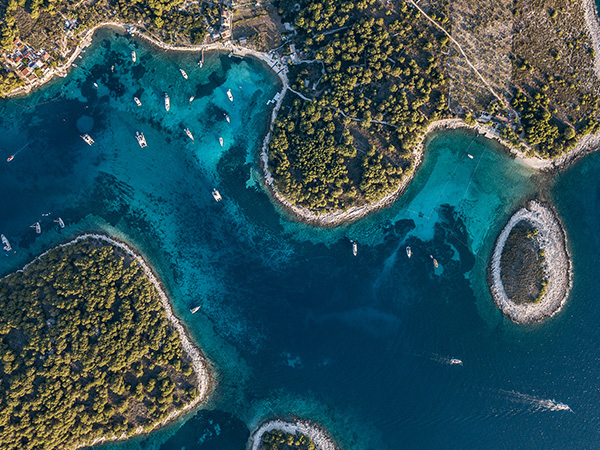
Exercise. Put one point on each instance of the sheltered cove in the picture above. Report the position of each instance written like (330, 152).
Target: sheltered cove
(558, 267)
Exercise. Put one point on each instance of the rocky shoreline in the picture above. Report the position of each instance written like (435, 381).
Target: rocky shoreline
(315, 433)
(558, 268)
(200, 365)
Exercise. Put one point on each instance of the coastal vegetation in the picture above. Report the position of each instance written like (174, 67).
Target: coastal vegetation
(522, 265)
(87, 351)
(371, 84)
(280, 440)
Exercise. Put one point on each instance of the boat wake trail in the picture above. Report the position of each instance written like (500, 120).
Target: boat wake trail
(446, 360)
(534, 403)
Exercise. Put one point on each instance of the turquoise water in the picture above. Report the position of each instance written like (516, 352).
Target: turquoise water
(294, 324)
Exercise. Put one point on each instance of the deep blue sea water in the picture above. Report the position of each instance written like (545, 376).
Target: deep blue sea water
(293, 323)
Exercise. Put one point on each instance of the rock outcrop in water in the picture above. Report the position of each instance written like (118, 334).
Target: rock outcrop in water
(557, 267)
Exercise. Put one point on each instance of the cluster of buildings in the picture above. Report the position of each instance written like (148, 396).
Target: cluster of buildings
(225, 30)
(26, 61)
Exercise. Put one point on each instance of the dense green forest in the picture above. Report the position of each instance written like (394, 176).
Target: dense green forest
(376, 81)
(278, 440)
(87, 351)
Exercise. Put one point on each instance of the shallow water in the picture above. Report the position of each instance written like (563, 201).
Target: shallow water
(293, 323)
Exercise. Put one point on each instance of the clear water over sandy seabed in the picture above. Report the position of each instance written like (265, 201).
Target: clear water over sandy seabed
(292, 321)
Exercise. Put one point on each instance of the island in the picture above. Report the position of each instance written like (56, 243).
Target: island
(290, 435)
(530, 269)
(91, 350)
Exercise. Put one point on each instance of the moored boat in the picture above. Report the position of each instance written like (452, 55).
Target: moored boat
(227, 118)
(354, 247)
(133, 56)
(60, 222)
(469, 155)
(216, 195)
(189, 133)
(88, 139)
(167, 102)
(194, 310)
(137, 101)
(229, 95)
(141, 139)
(37, 226)
(183, 74)
(408, 252)
(5, 243)
(191, 99)
(221, 141)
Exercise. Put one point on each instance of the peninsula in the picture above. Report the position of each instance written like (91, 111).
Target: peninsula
(91, 349)
(530, 269)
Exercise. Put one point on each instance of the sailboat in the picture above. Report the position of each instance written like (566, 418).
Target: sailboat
(221, 141)
(167, 102)
(137, 101)
(38, 228)
(227, 118)
(183, 74)
(60, 222)
(195, 310)
(189, 133)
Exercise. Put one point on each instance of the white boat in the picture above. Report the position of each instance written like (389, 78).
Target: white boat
(7, 247)
(456, 362)
(60, 222)
(112, 68)
(227, 118)
(191, 99)
(167, 102)
(137, 101)
(469, 155)
(229, 95)
(133, 56)
(408, 252)
(216, 195)
(221, 141)
(95, 85)
(38, 228)
(354, 248)
(189, 133)
(435, 263)
(183, 74)
(194, 310)
(88, 139)
(141, 139)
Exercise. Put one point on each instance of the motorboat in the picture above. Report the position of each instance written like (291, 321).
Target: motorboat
(189, 133)
(456, 362)
(408, 252)
(183, 74)
(10, 158)
(141, 139)
(216, 195)
(192, 99)
(227, 118)
(133, 56)
(229, 95)
(435, 263)
(88, 139)
(60, 222)
(221, 141)
(195, 310)
(167, 102)
(5, 243)
(354, 248)
(137, 101)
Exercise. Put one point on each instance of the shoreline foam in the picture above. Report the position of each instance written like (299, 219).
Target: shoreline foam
(200, 365)
(558, 267)
(315, 433)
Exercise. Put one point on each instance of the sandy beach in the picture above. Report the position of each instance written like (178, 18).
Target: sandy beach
(318, 436)
(200, 365)
(558, 266)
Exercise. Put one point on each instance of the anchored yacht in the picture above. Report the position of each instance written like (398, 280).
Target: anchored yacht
(408, 252)
(229, 95)
(38, 228)
(137, 101)
(191, 99)
(167, 102)
(141, 139)
(183, 74)
(194, 310)
(133, 56)
(354, 247)
(216, 195)
(189, 133)
(227, 118)
(221, 141)
(456, 362)
(88, 139)
(5, 243)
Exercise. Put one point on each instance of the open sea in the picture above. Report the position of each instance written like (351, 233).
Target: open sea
(292, 322)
